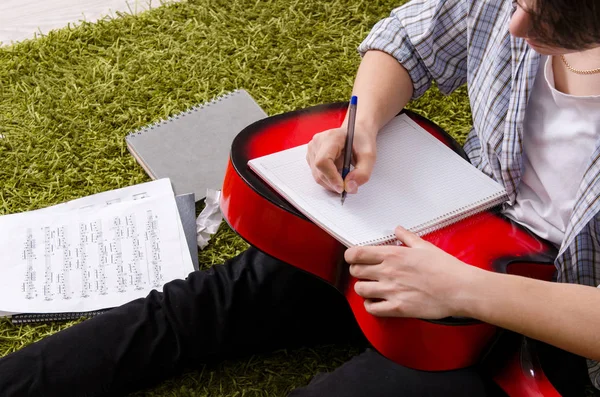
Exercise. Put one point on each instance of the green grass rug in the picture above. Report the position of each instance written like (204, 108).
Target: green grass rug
(67, 101)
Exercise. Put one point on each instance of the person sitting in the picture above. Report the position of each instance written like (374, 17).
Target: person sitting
(532, 68)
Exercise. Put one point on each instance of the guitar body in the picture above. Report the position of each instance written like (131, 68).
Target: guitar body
(268, 222)
(515, 367)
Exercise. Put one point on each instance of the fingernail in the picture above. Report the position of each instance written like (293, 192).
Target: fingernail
(351, 187)
(339, 188)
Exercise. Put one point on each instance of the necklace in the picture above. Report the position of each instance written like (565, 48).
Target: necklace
(579, 71)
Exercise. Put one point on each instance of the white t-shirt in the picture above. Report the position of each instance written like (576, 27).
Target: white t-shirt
(559, 136)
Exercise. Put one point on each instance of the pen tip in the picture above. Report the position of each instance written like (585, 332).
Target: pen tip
(343, 197)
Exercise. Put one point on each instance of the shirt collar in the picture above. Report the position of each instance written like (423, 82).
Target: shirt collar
(524, 67)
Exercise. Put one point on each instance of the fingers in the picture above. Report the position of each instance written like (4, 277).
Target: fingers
(365, 156)
(364, 272)
(408, 238)
(374, 295)
(369, 289)
(320, 178)
(350, 185)
(369, 255)
(324, 156)
(325, 166)
(380, 308)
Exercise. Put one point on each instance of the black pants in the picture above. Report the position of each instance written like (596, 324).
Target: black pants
(250, 304)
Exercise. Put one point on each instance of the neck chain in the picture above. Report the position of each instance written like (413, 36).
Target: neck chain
(579, 71)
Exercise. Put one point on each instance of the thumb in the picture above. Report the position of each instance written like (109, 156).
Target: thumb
(408, 238)
(363, 168)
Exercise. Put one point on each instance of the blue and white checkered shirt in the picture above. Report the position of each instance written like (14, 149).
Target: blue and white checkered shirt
(453, 42)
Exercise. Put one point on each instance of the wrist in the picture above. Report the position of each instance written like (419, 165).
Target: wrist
(363, 126)
(470, 297)
(367, 127)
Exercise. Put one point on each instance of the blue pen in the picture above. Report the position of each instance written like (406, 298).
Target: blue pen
(349, 140)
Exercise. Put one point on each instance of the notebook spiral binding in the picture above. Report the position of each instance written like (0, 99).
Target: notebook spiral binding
(32, 318)
(195, 108)
(446, 220)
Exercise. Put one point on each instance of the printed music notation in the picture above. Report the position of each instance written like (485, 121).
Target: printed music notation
(30, 273)
(153, 238)
(64, 261)
(92, 254)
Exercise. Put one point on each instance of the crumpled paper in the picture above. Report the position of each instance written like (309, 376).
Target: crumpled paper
(209, 219)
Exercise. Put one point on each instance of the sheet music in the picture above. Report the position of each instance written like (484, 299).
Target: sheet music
(92, 253)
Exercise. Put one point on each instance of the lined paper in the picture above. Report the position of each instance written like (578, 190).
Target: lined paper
(417, 182)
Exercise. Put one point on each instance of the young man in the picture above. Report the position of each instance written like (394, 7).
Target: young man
(533, 72)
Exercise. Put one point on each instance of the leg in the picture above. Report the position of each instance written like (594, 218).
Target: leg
(252, 303)
(371, 374)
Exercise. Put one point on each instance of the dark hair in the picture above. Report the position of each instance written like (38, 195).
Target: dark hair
(570, 24)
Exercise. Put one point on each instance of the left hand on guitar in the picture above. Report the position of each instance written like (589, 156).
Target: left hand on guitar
(417, 279)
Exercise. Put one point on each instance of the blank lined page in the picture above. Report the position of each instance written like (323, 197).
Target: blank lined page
(417, 183)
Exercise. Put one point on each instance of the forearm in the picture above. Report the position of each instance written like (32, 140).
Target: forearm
(383, 87)
(563, 315)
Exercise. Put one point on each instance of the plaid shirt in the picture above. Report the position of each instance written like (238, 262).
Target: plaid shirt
(453, 42)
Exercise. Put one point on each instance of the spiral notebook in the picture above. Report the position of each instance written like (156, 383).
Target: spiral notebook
(192, 147)
(417, 183)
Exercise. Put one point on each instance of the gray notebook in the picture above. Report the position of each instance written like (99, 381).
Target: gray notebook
(192, 148)
(186, 205)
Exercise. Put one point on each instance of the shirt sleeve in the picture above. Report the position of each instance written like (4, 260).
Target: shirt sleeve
(429, 38)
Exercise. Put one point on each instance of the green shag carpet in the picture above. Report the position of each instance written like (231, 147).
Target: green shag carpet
(68, 99)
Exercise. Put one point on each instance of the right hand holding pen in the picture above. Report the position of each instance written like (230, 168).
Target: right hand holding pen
(325, 155)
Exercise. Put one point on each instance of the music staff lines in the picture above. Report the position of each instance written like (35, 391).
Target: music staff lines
(68, 270)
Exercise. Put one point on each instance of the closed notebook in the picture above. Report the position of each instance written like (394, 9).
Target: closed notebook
(417, 182)
(192, 148)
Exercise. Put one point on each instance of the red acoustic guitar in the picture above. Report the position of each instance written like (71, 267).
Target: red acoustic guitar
(268, 222)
